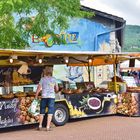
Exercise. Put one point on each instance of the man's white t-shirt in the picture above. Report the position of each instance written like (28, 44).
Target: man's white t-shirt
(48, 84)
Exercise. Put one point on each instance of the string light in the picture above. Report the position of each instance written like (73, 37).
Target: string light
(40, 60)
(66, 59)
(90, 60)
(11, 60)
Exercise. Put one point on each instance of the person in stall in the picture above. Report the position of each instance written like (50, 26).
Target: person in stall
(49, 86)
(8, 80)
(136, 77)
(139, 74)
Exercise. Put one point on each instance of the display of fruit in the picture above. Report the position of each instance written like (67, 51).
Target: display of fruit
(127, 104)
(67, 91)
(133, 89)
(18, 79)
(24, 116)
(100, 90)
(30, 93)
(8, 96)
(20, 94)
(78, 91)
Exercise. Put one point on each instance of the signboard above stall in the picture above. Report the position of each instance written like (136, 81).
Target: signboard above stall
(80, 36)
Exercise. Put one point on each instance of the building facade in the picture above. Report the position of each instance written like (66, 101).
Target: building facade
(103, 32)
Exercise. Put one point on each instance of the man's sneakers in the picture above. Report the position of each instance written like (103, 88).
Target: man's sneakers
(39, 129)
(49, 129)
(44, 129)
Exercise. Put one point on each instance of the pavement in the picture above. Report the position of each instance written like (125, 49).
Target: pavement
(99, 128)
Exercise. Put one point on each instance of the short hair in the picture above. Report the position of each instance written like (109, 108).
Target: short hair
(48, 70)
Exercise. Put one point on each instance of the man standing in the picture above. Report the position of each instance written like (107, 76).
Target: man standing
(49, 86)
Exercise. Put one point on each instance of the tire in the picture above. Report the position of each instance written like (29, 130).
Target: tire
(61, 114)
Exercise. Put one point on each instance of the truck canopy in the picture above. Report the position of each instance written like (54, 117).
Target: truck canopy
(77, 58)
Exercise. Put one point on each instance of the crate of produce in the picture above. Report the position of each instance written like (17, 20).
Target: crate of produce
(120, 86)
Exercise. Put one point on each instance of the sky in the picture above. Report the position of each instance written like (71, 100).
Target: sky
(129, 10)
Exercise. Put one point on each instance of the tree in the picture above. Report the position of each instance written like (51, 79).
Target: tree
(21, 18)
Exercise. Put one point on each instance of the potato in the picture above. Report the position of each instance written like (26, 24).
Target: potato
(22, 102)
(22, 118)
(28, 98)
(28, 101)
(32, 98)
(24, 113)
(28, 118)
(22, 108)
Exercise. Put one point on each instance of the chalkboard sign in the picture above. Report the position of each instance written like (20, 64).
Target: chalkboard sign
(9, 112)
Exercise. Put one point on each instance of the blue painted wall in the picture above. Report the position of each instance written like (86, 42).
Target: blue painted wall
(80, 36)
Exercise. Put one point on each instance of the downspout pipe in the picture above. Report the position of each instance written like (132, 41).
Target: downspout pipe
(103, 33)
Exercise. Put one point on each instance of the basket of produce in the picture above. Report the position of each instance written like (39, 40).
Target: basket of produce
(8, 96)
(105, 90)
(20, 94)
(78, 91)
(67, 91)
(128, 104)
(31, 93)
(133, 89)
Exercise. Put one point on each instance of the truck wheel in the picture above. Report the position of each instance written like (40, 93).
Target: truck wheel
(61, 115)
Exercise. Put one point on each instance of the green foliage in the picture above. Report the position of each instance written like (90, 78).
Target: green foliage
(132, 38)
(51, 15)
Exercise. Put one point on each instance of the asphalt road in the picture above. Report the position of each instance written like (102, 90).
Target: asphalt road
(102, 128)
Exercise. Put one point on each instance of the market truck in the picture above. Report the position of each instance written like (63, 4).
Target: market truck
(84, 105)
(20, 72)
(66, 107)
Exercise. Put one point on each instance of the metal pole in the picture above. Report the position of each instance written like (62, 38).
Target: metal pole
(115, 80)
(89, 78)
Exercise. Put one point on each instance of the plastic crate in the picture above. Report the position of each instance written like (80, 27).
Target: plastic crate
(118, 86)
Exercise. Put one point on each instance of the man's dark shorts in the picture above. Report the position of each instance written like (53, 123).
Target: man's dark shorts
(47, 102)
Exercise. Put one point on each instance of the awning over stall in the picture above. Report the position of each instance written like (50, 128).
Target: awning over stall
(71, 58)
(130, 65)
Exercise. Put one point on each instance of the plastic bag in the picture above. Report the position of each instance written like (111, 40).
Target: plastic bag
(34, 109)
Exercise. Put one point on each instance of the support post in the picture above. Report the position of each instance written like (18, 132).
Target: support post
(89, 78)
(115, 80)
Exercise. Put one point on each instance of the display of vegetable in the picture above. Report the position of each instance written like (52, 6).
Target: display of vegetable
(24, 116)
(127, 104)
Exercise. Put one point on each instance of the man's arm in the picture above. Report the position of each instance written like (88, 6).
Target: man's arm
(56, 88)
(37, 91)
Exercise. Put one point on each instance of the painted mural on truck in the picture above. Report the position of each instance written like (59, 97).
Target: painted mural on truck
(71, 74)
(82, 35)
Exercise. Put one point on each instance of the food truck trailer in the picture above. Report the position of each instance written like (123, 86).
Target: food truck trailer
(19, 79)
(85, 40)
(20, 76)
